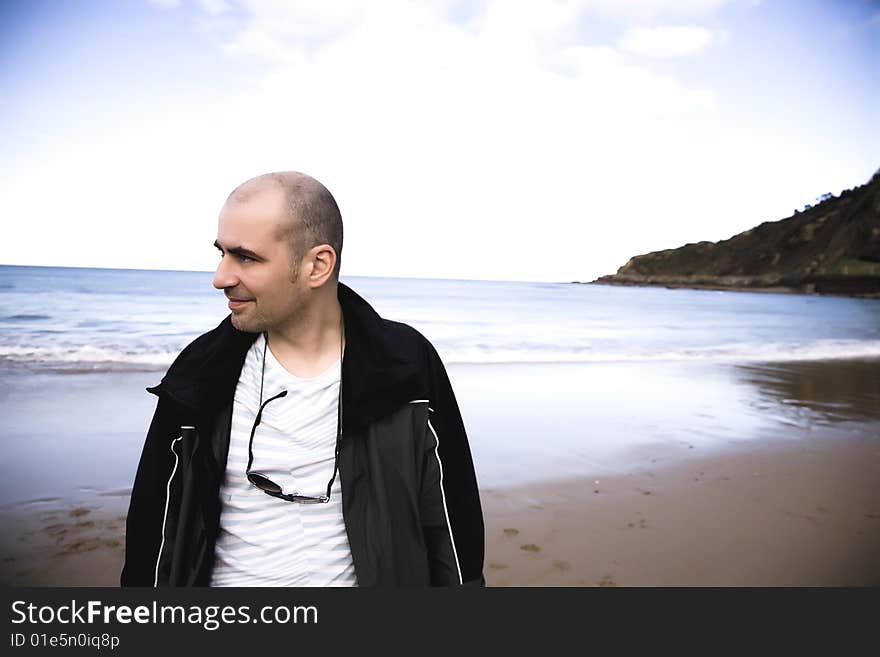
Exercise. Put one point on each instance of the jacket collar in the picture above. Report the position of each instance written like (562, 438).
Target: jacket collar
(379, 371)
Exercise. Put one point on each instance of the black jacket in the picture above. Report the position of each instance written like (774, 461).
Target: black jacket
(409, 493)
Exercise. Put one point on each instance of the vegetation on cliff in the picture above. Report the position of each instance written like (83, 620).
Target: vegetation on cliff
(831, 247)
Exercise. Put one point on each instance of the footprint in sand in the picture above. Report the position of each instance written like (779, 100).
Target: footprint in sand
(510, 531)
(530, 547)
(803, 516)
(607, 581)
(497, 566)
(561, 566)
(88, 545)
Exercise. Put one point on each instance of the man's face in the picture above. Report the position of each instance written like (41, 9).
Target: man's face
(256, 266)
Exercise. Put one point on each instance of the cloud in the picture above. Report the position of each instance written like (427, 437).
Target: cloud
(474, 140)
(165, 4)
(276, 27)
(485, 127)
(666, 41)
(484, 142)
(402, 49)
(214, 7)
(651, 10)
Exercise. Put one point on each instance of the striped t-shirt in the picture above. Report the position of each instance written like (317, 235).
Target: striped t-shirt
(266, 541)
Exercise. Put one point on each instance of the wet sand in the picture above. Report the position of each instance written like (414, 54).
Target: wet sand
(790, 513)
(47, 545)
(728, 475)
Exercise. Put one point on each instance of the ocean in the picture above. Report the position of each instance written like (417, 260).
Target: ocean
(553, 380)
(68, 319)
(581, 403)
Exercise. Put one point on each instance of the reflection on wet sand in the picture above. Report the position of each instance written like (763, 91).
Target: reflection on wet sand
(821, 392)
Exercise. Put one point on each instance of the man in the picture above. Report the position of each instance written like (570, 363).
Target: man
(305, 441)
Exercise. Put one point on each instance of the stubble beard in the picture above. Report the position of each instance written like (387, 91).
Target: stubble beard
(249, 322)
(253, 321)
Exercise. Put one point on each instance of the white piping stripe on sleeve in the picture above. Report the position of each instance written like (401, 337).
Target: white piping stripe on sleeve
(165, 515)
(422, 401)
(443, 496)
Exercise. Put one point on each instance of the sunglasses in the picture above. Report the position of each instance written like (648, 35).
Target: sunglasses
(263, 482)
(268, 486)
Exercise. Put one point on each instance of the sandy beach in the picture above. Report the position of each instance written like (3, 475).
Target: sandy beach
(795, 502)
(795, 514)
(799, 514)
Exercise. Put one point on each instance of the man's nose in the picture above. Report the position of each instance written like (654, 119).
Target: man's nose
(225, 275)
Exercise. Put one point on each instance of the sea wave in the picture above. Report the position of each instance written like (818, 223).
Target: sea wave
(85, 355)
(24, 317)
(93, 358)
(725, 353)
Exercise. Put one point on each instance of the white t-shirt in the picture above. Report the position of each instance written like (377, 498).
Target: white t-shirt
(266, 541)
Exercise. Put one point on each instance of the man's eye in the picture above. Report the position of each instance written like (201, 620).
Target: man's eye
(245, 258)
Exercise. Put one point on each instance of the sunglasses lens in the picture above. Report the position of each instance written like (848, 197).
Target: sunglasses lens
(264, 483)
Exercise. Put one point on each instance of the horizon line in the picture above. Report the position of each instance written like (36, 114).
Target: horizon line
(208, 271)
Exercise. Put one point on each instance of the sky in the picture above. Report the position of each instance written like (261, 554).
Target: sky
(545, 140)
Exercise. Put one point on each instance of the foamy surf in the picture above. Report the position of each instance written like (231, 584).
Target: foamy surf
(91, 358)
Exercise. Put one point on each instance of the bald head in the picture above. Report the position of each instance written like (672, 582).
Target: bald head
(313, 217)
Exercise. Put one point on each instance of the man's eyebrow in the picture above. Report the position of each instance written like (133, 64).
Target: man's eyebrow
(238, 250)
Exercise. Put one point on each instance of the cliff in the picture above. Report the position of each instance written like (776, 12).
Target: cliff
(832, 247)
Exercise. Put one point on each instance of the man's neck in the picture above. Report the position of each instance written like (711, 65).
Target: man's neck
(311, 345)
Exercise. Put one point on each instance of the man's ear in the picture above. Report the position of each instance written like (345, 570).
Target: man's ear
(322, 259)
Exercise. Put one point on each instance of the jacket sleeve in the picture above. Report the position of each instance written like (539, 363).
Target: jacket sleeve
(143, 526)
(451, 510)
